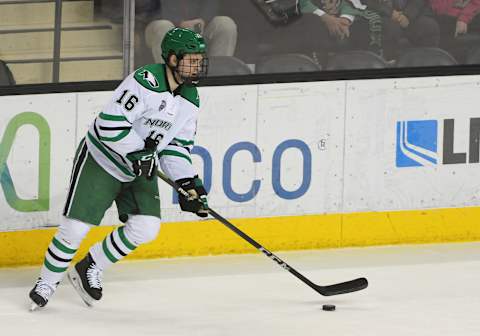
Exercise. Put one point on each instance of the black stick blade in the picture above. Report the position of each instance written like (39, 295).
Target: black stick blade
(343, 287)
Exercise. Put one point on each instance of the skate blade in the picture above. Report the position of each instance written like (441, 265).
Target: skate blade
(34, 307)
(76, 282)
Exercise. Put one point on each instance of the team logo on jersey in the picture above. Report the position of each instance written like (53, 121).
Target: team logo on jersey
(162, 105)
(150, 78)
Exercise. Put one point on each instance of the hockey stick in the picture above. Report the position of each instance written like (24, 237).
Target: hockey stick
(335, 289)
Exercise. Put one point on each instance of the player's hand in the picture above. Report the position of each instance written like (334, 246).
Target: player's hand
(143, 161)
(197, 201)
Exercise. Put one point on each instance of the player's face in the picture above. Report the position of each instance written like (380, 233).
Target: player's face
(192, 66)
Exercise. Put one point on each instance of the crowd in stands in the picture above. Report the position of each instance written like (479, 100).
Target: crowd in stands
(318, 29)
(262, 36)
(385, 27)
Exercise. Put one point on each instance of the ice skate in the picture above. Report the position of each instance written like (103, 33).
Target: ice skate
(86, 278)
(40, 294)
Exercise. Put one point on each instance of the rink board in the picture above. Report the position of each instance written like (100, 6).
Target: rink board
(278, 234)
(298, 165)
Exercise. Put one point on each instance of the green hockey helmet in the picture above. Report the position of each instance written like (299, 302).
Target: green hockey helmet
(181, 41)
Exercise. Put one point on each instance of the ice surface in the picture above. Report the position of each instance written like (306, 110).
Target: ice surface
(414, 290)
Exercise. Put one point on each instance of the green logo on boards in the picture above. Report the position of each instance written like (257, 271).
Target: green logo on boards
(42, 202)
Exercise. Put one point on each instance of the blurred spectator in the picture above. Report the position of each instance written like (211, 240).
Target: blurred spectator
(378, 25)
(153, 18)
(113, 9)
(258, 37)
(391, 30)
(220, 32)
(456, 15)
(339, 15)
(416, 19)
(375, 25)
(315, 33)
(145, 11)
(458, 19)
(410, 18)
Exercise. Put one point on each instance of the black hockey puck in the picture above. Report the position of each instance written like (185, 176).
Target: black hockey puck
(328, 307)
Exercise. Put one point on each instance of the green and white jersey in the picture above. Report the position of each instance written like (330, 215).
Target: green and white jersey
(143, 106)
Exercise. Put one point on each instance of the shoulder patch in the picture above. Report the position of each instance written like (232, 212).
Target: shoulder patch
(190, 93)
(152, 77)
(149, 78)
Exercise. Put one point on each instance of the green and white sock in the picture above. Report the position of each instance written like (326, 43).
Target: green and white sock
(57, 259)
(113, 248)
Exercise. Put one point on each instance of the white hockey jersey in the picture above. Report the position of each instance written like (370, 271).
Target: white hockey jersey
(144, 106)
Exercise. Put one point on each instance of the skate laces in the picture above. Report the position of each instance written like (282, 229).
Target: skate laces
(94, 276)
(44, 289)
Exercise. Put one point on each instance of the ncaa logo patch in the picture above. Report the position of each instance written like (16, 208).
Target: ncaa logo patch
(162, 105)
(416, 143)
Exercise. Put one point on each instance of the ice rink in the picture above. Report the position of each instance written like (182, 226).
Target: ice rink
(414, 290)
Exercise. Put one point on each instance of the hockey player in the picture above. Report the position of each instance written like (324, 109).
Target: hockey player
(151, 117)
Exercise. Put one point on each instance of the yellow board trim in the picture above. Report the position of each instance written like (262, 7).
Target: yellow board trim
(276, 233)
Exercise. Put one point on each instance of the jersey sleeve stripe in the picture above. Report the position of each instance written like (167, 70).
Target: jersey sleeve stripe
(116, 138)
(104, 151)
(97, 134)
(112, 117)
(183, 142)
(174, 153)
(177, 146)
(119, 128)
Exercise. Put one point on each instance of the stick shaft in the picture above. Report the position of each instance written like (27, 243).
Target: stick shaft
(262, 249)
(242, 234)
(341, 288)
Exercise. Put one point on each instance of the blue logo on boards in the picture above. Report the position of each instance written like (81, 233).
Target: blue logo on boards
(416, 143)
